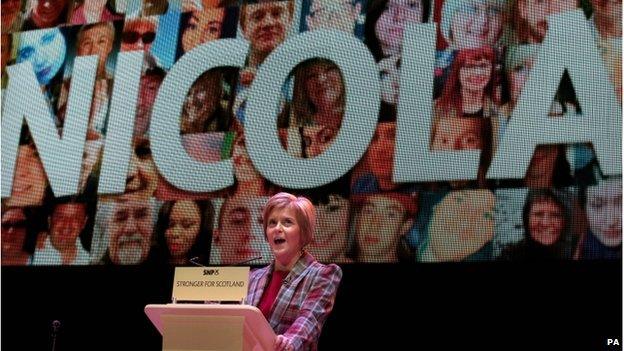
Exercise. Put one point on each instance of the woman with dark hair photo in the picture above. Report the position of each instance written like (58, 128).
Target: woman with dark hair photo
(319, 94)
(470, 88)
(184, 231)
(203, 110)
(386, 21)
(548, 228)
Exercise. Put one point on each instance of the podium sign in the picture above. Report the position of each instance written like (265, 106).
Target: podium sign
(210, 283)
(204, 327)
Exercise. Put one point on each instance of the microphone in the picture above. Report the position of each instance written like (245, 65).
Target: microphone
(194, 261)
(246, 261)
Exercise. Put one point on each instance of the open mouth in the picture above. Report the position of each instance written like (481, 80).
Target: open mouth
(279, 241)
(479, 81)
(268, 36)
(371, 239)
(128, 240)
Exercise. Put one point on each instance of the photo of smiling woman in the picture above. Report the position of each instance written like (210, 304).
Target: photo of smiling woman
(45, 14)
(45, 49)
(548, 228)
(184, 230)
(295, 292)
(473, 24)
(470, 90)
(198, 27)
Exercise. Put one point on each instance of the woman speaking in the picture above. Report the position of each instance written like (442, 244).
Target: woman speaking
(295, 292)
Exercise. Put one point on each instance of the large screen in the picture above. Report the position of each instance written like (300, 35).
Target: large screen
(154, 132)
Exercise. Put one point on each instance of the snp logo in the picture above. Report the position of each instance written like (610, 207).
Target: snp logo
(211, 272)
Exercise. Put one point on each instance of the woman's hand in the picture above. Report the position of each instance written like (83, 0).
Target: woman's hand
(283, 343)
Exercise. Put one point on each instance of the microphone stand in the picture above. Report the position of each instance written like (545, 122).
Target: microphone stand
(55, 328)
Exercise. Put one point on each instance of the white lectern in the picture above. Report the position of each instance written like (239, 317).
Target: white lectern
(196, 327)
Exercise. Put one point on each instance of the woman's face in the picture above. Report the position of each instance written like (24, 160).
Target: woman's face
(389, 75)
(475, 24)
(48, 12)
(200, 103)
(546, 222)
(284, 234)
(30, 181)
(183, 228)
(381, 150)
(461, 224)
(330, 240)
(240, 231)
(324, 86)
(518, 77)
(390, 25)
(475, 75)
(244, 170)
(45, 50)
(604, 211)
(203, 26)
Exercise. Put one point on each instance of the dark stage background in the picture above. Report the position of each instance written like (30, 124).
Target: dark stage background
(563, 305)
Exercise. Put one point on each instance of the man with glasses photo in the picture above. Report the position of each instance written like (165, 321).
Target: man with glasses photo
(341, 15)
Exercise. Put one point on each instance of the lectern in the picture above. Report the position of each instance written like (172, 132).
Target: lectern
(203, 326)
(196, 327)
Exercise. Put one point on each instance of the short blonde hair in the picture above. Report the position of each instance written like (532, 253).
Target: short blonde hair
(305, 213)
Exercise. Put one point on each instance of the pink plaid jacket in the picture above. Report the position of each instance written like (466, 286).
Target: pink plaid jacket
(304, 301)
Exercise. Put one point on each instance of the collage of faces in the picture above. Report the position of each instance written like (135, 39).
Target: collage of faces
(563, 209)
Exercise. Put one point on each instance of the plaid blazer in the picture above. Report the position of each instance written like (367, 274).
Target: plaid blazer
(304, 301)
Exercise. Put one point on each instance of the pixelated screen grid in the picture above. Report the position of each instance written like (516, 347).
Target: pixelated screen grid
(563, 209)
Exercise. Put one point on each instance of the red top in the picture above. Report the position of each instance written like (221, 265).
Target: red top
(270, 292)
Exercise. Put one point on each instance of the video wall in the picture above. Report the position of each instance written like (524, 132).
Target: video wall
(565, 206)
